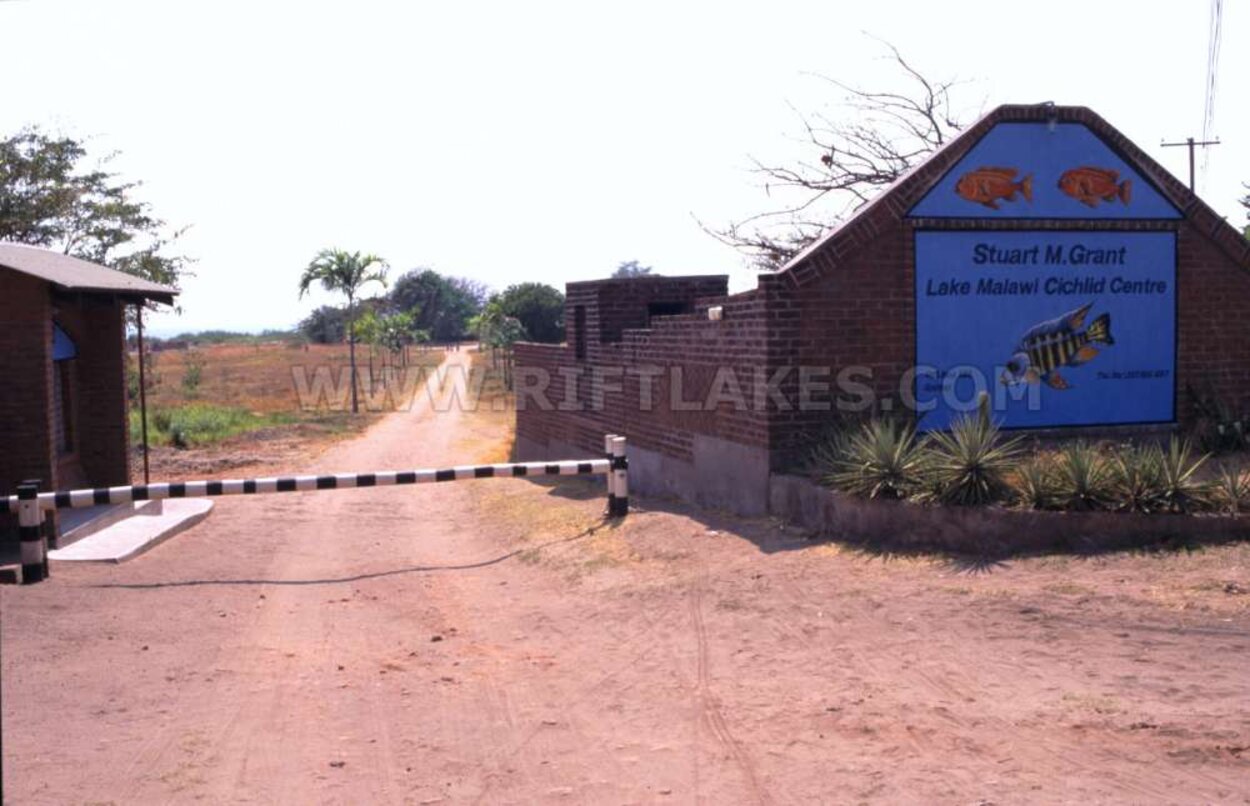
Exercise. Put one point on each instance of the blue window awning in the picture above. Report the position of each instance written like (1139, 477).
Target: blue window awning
(63, 347)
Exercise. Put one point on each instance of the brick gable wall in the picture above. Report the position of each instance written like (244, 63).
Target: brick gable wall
(850, 301)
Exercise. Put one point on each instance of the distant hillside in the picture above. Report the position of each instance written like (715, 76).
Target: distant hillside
(211, 337)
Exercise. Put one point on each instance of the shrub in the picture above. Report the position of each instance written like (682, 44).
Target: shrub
(1216, 425)
(1137, 479)
(881, 460)
(1232, 490)
(831, 450)
(1182, 490)
(1083, 478)
(161, 419)
(200, 424)
(193, 372)
(969, 466)
(1036, 483)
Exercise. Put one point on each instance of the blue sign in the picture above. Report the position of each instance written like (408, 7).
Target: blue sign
(1059, 328)
(1028, 170)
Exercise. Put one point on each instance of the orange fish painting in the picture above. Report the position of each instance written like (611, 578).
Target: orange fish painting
(1090, 185)
(988, 185)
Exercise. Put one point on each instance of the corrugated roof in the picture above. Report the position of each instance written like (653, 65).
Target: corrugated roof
(79, 275)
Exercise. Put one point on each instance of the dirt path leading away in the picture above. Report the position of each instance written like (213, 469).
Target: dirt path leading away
(496, 641)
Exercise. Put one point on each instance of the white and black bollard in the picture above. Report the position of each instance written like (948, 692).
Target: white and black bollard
(607, 454)
(618, 500)
(34, 545)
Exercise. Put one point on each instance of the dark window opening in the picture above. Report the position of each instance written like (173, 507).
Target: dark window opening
(667, 309)
(63, 405)
(579, 332)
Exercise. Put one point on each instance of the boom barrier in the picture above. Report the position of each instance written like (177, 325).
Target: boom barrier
(30, 504)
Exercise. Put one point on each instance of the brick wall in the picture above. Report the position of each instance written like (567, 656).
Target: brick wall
(649, 383)
(1213, 339)
(95, 323)
(26, 449)
(619, 305)
(848, 301)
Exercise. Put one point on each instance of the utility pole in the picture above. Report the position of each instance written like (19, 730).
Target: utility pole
(1191, 143)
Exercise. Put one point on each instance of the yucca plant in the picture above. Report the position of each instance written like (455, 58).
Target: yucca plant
(1183, 491)
(1232, 490)
(1083, 478)
(1137, 479)
(1035, 484)
(829, 452)
(881, 460)
(969, 465)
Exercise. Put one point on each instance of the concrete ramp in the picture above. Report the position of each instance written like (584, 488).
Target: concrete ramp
(148, 526)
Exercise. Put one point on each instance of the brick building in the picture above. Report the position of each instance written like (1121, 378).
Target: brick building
(1036, 223)
(62, 358)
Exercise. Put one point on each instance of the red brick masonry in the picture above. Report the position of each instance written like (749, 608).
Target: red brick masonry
(847, 301)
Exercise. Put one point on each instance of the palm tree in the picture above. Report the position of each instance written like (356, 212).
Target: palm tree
(345, 272)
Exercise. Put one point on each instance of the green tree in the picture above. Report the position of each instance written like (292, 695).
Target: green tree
(48, 199)
(441, 305)
(326, 325)
(396, 333)
(631, 268)
(538, 307)
(367, 329)
(344, 272)
(498, 332)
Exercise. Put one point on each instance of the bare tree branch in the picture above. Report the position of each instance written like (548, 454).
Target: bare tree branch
(875, 138)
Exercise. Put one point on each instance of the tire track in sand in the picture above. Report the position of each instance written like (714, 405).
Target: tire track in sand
(710, 712)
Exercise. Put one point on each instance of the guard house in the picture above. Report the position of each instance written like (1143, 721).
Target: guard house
(62, 358)
(962, 277)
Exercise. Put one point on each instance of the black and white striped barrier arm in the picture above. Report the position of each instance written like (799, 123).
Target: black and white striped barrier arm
(342, 481)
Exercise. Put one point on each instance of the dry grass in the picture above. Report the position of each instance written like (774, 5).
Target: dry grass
(262, 377)
(246, 408)
(489, 434)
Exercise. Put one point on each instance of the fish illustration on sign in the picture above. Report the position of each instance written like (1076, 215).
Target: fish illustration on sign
(1061, 342)
(1090, 185)
(987, 185)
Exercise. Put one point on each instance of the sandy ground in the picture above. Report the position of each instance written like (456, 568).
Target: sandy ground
(498, 642)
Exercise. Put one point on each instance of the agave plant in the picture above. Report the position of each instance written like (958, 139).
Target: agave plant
(1183, 490)
(1232, 490)
(881, 460)
(1035, 484)
(830, 450)
(1137, 479)
(1083, 478)
(969, 466)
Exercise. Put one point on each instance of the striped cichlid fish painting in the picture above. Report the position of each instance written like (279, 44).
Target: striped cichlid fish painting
(1057, 343)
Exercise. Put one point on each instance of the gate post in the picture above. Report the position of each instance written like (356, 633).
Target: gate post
(607, 453)
(620, 479)
(34, 544)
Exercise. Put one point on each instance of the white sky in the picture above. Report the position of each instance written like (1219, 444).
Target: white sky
(532, 141)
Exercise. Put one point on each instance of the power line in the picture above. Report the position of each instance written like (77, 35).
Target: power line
(1213, 65)
(1192, 144)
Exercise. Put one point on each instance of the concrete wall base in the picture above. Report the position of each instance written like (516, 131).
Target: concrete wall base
(724, 475)
(900, 526)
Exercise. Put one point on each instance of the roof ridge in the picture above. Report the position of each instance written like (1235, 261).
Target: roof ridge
(890, 206)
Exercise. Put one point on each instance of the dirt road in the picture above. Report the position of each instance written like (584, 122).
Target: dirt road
(497, 642)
